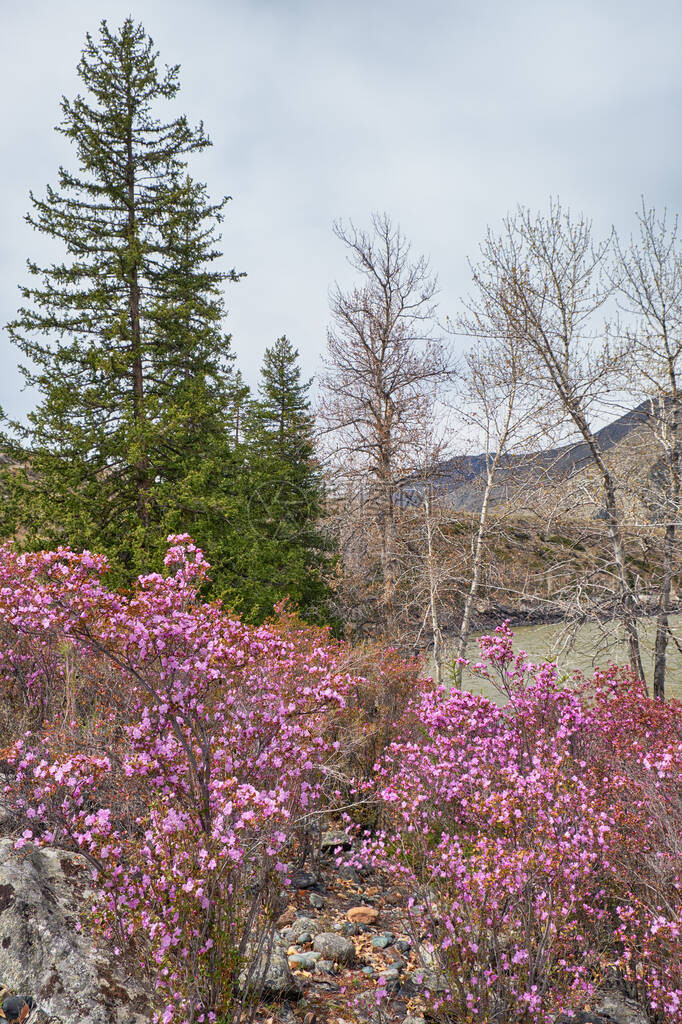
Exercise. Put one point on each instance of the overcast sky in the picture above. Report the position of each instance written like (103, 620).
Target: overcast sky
(445, 114)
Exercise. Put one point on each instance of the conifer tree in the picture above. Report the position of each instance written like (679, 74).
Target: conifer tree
(134, 432)
(286, 553)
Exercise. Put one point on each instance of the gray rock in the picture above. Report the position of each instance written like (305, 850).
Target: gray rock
(303, 880)
(403, 946)
(427, 955)
(300, 926)
(369, 971)
(614, 1003)
(303, 938)
(270, 978)
(334, 840)
(316, 901)
(583, 1017)
(389, 974)
(616, 1006)
(334, 947)
(348, 873)
(326, 967)
(424, 979)
(43, 955)
(326, 985)
(304, 961)
(382, 941)
(366, 1009)
(390, 981)
(612, 1007)
(348, 928)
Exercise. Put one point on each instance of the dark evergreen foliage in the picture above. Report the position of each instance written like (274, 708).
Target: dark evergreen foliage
(134, 433)
(285, 550)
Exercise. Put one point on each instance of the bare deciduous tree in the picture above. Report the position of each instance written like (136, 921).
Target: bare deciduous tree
(498, 394)
(648, 276)
(425, 570)
(544, 277)
(384, 356)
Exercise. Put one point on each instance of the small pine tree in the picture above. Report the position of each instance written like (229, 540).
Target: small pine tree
(286, 554)
(133, 436)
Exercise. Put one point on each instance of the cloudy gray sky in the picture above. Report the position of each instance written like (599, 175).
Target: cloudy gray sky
(444, 113)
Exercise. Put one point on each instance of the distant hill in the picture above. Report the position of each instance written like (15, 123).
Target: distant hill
(461, 478)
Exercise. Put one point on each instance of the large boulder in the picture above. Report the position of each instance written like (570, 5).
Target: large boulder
(42, 953)
(269, 977)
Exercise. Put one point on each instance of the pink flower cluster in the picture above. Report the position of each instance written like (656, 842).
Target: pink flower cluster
(540, 840)
(182, 752)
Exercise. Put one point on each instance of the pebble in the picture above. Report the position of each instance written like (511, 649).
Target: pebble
(382, 941)
(300, 926)
(303, 880)
(369, 971)
(348, 873)
(362, 915)
(390, 974)
(326, 985)
(304, 961)
(316, 901)
(403, 946)
(287, 918)
(326, 967)
(303, 938)
(303, 923)
(335, 840)
(334, 947)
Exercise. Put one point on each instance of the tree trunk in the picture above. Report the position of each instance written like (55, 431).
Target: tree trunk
(628, 605)
(387, 529)
(667, 567)
(141, 463)
(491, 470)
(662, 628)
(465, 627)
(433, 587)
(628, 608)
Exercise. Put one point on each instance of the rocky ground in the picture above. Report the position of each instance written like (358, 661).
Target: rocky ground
(346, 935)
(342, 939)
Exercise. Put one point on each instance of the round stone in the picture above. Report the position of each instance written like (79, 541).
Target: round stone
(334, 947)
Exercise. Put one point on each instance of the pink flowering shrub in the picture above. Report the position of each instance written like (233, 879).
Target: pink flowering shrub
(188, 757)
(540, 840)
(183, 762)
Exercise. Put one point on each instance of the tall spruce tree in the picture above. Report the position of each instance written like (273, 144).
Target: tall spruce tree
(134, 433)
(286, 553)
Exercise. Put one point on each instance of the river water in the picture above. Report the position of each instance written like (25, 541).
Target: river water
(592, 646)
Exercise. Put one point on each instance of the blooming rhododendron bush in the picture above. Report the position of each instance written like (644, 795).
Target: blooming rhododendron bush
(541, 841)
(181, 751)
(189, 757)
